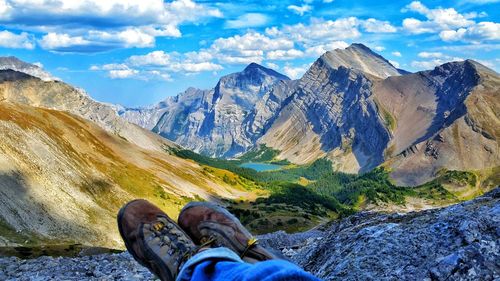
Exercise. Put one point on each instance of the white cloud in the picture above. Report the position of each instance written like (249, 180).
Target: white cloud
(16, 41)
(433, 59)
(379, 48)
(284, 54)
(248, 20)
(272, 65)
(394, 63)
(155, 58)
(397, 54)
(122, 73)
(247, 48)
(427, 55)
(300, 10)
(56, 41)
(483, 31)
(157, 65)
(135, 23)
(317, 29)
(174, 62)
(377, 26)
(437, 19)
(318, 50)
(295, 72)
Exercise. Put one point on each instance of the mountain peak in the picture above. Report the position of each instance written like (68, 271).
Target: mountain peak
(257, 68)
(360, 57)
(359, 46)
(13, 63)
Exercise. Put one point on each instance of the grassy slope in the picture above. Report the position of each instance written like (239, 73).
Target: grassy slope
(76, 172)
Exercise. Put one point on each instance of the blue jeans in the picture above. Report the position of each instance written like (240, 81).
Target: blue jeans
(224, 264)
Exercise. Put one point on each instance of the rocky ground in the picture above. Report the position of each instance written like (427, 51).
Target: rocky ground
(100, 267)
(460, 242)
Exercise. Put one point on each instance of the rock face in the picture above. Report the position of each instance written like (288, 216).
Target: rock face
(460, 242)
(443, 118)
(330, 111)
(353, 107)
(212, 122)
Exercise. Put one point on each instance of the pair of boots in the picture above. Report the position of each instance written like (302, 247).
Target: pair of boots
(163, 246)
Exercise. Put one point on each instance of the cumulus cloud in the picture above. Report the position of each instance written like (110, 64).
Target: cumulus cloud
(433, 59)
(437, 19)
(394, 63)
(300, 10)
(284, 54)
(295, 72)
(451, 25)
(135, 23)
(397, 54)
(16, 41)
(376, 26)
(318, 50)
(483, 31)
(272, 65)
(248, 20)
(156, 65)
(122, 73)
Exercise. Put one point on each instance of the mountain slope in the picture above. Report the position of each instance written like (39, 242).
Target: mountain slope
(444, 118)
(22, 88)
(63, 177)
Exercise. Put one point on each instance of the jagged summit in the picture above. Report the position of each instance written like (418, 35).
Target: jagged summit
(257, 68)
(360, 57)
(16, 64)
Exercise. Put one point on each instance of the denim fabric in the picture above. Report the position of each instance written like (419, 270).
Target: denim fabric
(224, 264)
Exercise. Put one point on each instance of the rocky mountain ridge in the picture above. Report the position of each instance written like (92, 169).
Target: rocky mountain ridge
(355, 108)
(16, 64)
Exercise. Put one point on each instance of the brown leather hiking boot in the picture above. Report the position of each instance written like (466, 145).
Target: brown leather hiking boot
(204, 221)
(153, 239)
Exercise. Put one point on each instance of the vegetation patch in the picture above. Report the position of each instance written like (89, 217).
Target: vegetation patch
(264, 154)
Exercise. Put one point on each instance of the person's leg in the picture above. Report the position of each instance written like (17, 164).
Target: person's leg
(223, 264)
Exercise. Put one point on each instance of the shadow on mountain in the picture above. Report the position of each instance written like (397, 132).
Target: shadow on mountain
(451, 96)
(30, 220)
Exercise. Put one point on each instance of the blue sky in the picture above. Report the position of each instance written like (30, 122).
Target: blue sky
(137, 52)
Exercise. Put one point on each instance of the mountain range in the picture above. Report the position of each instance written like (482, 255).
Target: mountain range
(352, 107)
(68, 162)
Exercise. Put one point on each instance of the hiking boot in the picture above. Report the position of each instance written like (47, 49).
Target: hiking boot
(153, 239)
(206, 222)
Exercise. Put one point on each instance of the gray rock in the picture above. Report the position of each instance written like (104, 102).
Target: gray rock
(460, 242)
